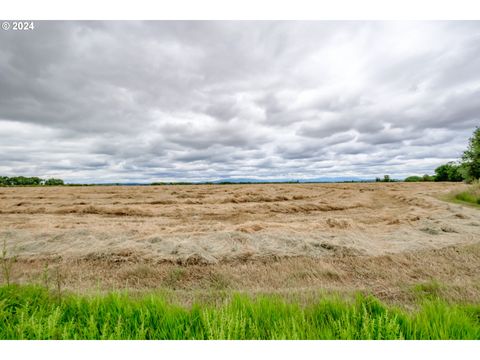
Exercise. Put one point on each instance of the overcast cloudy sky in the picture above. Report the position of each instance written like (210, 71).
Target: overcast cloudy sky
(161, 101)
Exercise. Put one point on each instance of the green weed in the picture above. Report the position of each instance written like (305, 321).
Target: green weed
(7, 263)
(430, 289)
(472, 195)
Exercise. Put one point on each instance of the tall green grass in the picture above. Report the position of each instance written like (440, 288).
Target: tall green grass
(28, 312)
(472, 195)
(468, 197)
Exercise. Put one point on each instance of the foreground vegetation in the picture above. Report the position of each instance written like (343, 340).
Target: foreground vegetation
(472, 195)
(28, 312)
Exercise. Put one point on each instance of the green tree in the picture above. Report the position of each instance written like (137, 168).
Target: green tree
(441, 173)
(427, 177)
(22, 180)
(54, 182)
(471, 156)
(449, 172)
(27, 181)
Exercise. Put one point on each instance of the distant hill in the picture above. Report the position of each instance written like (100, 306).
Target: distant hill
(237, 181)
(326, 179)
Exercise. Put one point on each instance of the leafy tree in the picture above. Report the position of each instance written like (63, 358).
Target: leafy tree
(3, 180)
(471, 156)
(54, 182)
(386, 178)
(441, 173)
(449, 172)
(27, 181)
(22, 180)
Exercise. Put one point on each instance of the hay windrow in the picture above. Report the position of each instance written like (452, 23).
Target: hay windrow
(111, 228)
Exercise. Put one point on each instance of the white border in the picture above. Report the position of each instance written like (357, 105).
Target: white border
(241, 9)
(221, 350)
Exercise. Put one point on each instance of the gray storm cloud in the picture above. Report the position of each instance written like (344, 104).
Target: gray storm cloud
(166, 100)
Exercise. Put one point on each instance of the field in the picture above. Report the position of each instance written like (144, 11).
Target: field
(203, 244)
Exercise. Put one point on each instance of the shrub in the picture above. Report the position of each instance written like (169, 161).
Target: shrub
(413, 179)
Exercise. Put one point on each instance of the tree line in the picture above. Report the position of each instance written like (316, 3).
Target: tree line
(28, 181)
(467, 168)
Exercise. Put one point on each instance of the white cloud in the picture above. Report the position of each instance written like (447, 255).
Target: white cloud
(148, 101)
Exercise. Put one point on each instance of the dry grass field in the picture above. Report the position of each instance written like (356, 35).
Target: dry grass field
(286, 238)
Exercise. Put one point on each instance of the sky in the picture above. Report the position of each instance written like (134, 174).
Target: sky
(129, 101)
